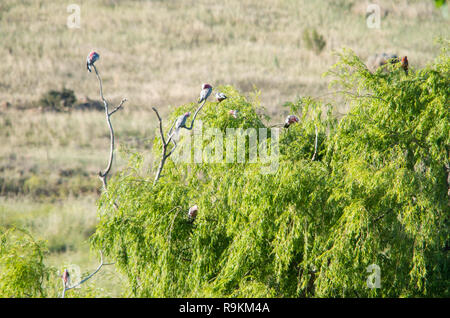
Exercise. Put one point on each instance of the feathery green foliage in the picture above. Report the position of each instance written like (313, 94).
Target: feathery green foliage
(376, 194)
(22, 270)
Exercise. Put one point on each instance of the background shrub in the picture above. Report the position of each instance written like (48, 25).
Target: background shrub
(313, 40)
(22, 270)
(58, 100)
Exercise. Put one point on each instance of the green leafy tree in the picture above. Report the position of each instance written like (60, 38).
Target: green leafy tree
(22, 270)
(376, 193)
(389, 161)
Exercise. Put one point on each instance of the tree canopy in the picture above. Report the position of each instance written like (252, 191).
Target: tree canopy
(376, 193)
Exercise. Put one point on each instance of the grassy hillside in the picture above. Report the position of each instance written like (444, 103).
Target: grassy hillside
(159, 52)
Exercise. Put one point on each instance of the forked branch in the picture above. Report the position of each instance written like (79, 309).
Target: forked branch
(103, 175)
(165, 143)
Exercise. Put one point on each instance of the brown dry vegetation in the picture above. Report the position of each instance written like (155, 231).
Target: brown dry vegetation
(159, 52)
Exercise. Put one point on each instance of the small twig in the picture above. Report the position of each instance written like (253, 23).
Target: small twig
(88, 277)
(160, 125)
(362, 96)
(173, 221)
(118, 107)
(276, 125)
(195, 115)
(349, 93)
(315, 146)
(164, 145)
(381, 216)
(171, 128)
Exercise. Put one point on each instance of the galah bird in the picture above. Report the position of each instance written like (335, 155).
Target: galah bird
(220, 96)
(204, 94)
(66, 278)
(234, 113)
(192, 213)
(290, 120)
(92, 57)
(377, 60)
(405, 64)
(180, 123)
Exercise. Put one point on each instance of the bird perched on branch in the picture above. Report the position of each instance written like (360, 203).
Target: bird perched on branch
(234, 113)
(192, 213)
(204, 94)
(405, 64)
(220, 96)
(377, 60)
(66, 278)
(92, 57)
(180, 123)
(290, 120)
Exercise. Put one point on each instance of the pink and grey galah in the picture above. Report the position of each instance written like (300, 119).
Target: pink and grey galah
(66, 278)
(192, 213)
(205, 92)
(92, 57)
(234, 112)
(290, 120)
(179, 123)
(220, 96)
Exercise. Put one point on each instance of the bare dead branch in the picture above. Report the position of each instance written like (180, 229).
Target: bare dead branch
(88, 277)
(102, 175)
(164, 145)
(160, 125)
(195, 115)
(118, 107)
(171, 128)
(165, 142)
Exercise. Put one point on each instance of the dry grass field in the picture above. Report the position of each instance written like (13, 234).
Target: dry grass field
(158, 53)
